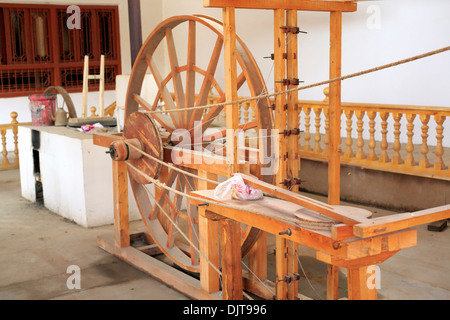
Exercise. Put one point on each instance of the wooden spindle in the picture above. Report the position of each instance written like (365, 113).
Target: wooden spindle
(300, 108)
(439, 163)
(93, 111)
(246, 112)
(384, 144)
(424, 163)
(326, 92)
(15, 130)
(360, 142)
(4, 152)
(409, 161)
(327, 132)
(397, 159)
(317, 137)
(372, 156)
(253, 106)
(307, 146)
(349, 141)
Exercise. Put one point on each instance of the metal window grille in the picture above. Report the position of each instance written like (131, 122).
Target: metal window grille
(38, 50)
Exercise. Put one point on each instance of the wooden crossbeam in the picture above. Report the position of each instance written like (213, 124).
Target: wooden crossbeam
(332, 212)
(304, 5)
(400, 221)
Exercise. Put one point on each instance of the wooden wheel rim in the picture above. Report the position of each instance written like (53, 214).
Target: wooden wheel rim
(144, 61)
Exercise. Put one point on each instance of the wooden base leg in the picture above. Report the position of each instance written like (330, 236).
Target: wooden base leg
(121, 214)
(230, 243)
(257, 259)
(359, 282)
(281, 268)
(209, 246)
(292, 269)
(332, 282)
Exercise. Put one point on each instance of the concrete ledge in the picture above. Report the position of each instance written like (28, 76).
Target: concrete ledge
(377, 188)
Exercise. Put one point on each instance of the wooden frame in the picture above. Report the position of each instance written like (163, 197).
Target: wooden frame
(338, 247)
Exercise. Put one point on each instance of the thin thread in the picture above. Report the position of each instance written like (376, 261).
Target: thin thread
(352, 75)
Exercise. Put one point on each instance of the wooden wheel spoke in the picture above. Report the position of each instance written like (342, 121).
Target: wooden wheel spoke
(176, 205)
(155, 210)
(167, 123)
(207, 81)
(190, 71)
(170, 104)
(176, 77)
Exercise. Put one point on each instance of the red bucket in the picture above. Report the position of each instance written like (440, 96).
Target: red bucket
(43, 109)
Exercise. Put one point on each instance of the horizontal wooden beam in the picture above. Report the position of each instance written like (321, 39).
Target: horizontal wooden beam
(338, 213)
(400, 221)
(304, 5)
(170, 276)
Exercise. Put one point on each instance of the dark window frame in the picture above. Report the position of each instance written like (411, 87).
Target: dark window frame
(30, 64)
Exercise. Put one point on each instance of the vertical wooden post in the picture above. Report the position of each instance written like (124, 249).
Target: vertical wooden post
(280, 125)
(232, 115)
(230, 237)
(334, 178)
(257, 259)
(209, 242)
(358, 287)
(230, 243)
(293, 112)
(332, 282)
(292, 141)
(120, 194)
(334, 165)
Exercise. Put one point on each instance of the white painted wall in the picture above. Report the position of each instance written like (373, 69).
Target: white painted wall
(379, 32)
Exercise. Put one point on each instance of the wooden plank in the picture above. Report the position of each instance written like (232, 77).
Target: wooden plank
(120, 195)
(400, 221)
(359, 248)
(170, 276)
(334, 166)
(304, 5)
(365, 261)
(342, 215)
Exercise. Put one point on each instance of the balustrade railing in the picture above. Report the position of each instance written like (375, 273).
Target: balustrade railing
(9, 158)
(395, 138)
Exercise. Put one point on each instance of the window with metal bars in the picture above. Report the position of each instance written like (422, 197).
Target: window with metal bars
(38, 50)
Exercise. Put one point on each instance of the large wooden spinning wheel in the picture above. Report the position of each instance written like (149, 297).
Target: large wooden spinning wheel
(184, 86)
